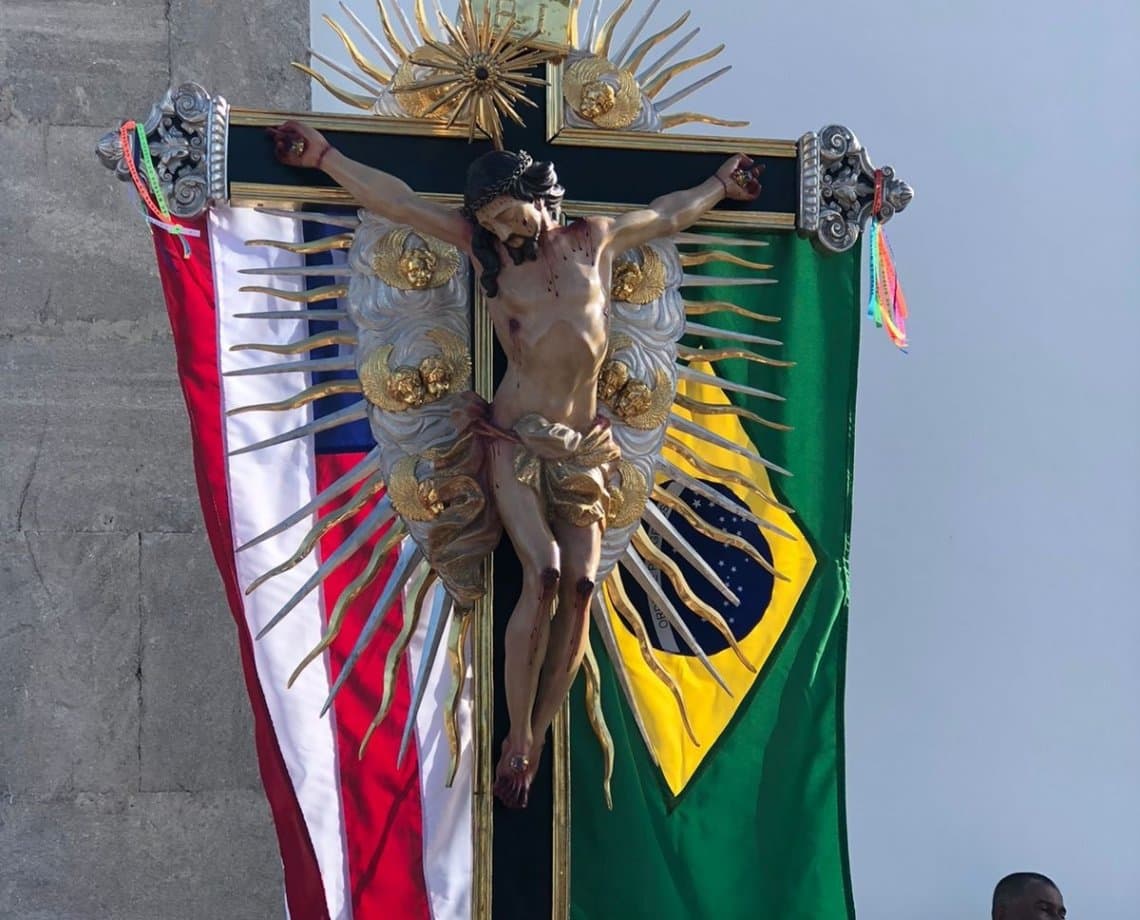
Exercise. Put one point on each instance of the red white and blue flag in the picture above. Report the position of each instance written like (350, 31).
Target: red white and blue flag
(360, 838)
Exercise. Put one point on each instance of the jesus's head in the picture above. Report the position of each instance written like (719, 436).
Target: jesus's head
(510, 201)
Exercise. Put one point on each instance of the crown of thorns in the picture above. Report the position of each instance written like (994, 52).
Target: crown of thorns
(503, 186)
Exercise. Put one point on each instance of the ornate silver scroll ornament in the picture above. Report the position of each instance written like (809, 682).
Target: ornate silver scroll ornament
(837, 189)
(187, 132)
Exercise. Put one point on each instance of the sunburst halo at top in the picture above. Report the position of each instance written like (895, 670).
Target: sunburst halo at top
(482, 72)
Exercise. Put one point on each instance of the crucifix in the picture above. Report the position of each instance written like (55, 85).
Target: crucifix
(540, 458)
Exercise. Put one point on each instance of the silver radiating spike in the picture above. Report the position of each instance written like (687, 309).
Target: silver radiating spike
(713, 495)
(372, 39)
(592, 32)
(374, 88)
(370, 464)
(687, 373)
(441, 609)
(318, 315)
(651, 71)
(688, 426)
(653, 516)
(413, 38)
(307, 271)
(638, 54)
(321, 526)
(688, 280)
(690, 89)
(636, 567)
(439, 14)
(633, 36)
(712, 332)
(343, 363)
(376, 519)
(333, 220)
(606, 629)
(706, 239)
(406, 562)
(355, 412)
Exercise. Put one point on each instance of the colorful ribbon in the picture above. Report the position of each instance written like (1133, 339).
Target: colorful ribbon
(887, 304)
(159, 212)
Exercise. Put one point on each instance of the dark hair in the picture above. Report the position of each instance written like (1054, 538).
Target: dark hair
(1014, 885)
(503, 172)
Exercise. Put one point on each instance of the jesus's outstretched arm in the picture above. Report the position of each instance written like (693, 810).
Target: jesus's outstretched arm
(299, 145)
(738, 179)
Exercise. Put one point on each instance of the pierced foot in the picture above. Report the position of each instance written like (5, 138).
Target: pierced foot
(513, 777)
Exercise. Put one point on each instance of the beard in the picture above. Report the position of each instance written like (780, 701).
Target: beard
(526, 251)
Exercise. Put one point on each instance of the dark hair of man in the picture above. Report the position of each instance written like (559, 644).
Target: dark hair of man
(502, 172)
(1013, 886)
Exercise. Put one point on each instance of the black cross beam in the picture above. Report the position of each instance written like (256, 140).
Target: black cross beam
(431, 163)
(438, 164)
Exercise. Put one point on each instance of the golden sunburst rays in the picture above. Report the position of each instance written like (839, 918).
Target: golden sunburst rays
(380, 66)
(653, 78)
(470, 70)
(482, 72)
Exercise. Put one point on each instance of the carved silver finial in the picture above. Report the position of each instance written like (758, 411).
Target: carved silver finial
(187, 133)
(837, 189)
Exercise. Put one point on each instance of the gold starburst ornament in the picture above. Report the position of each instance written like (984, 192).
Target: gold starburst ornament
(481, 72)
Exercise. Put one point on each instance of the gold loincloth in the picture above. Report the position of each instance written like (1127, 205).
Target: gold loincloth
(568, 469)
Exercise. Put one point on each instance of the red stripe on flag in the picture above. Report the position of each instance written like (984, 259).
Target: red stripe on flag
(188, 286)
(383, 816)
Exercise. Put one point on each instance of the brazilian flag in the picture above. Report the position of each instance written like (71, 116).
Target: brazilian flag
(743, 816)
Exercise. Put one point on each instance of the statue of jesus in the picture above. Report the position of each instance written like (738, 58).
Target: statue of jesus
(548, 292)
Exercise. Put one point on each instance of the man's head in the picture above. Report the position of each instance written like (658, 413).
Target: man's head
(1027, 896)
(510, 200)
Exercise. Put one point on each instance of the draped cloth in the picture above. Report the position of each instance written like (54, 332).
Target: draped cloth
(568, 469)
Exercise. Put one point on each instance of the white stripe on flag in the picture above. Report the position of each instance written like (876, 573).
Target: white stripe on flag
(266, 486)
(448, 854)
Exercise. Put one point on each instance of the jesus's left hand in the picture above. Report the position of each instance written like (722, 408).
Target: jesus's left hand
(740, 177)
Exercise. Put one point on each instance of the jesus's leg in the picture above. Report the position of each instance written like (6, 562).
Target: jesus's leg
(528, 629)
(580, 551)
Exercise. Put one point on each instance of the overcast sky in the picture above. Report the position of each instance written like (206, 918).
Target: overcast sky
(993, 679)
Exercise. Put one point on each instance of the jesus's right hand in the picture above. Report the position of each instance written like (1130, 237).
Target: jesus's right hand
(295, 144)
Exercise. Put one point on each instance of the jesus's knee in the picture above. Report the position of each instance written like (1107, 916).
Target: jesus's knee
(576, 594)
(541, 572)
(583, 594)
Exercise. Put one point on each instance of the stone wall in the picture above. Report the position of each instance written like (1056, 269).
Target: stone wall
(128, 786)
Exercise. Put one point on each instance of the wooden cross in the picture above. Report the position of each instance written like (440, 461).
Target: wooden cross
(602, 171)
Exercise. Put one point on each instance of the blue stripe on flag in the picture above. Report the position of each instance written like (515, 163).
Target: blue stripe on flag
(355, 437)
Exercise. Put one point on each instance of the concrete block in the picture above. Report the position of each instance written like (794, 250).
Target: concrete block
(76, 255)
(83, 63)
(69, 660)
(174, 856)
(197, 731)
(95, 438)
(242, 50)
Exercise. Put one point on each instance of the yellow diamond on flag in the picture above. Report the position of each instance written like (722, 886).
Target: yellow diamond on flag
(757, 623)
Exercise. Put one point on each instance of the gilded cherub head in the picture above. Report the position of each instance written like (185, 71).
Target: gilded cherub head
(405, 385)
(429, 497)
(418, 266)
(634, 399)
(598, 98)
(626, 280)
(436, 376)
(614, 376)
